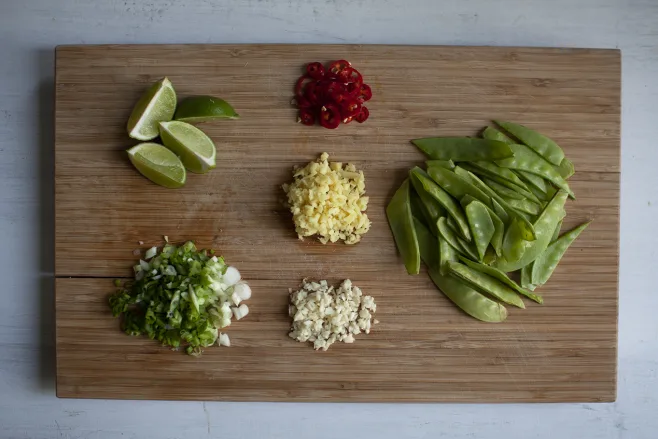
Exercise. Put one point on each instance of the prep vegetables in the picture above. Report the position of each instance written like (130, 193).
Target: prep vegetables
(181, 297)
(327, 200)
(331, 95)
(191, 148)
(483, 208)
(324, 315)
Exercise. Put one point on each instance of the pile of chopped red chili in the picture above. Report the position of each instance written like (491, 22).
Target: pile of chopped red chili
(332, 95)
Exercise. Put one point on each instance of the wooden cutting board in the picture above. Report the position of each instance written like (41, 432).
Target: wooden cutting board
(424, 349)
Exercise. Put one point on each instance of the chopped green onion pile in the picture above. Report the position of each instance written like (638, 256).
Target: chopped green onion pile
(181, 297)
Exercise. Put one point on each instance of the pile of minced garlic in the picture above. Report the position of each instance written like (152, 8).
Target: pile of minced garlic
(328, 201)
(324, 315)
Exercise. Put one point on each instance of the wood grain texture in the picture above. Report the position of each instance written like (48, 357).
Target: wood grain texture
(424, 349)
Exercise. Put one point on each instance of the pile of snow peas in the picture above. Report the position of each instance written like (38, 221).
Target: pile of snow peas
(483, 208)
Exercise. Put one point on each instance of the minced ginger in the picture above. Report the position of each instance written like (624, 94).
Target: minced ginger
(328, 201)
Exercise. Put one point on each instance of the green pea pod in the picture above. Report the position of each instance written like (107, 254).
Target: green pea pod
(492, 170)
(526, 277)
(532, 180)
(494, 134)
(486, 284)
(447, 253)
(444, 199)
(526, 206)
(566, 168)
(482, 226)
(462, 148)
(428, 245)
(463, 173)
(526, 225)
(466, 298)
(456, 185)
(541, 144)
(399, 217)
(500, 211)
(431, 208)
(545, 264)
(513, 243)
(502, 277)
(526, 159)
(544, 228)
(508, 190)
(448, 164)
(417, 208)
(499, 225)
(458, 244)
(556, 233)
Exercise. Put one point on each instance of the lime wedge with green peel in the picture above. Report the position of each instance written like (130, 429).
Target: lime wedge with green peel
(203, 109)
(195, 149)
(156, 105)
(158, 164)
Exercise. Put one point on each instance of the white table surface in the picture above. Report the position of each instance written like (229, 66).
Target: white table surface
(30, 29)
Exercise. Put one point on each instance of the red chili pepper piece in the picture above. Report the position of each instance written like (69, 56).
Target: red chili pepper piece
(348, 120)
(337, 66)
(363, 115)
(365, 92)
(353, 89)
(350, 75)
(315, 70)
(306, 117)
(350, 108)
(301, 84)
(301, 102)
(313, 92)
(329, 116)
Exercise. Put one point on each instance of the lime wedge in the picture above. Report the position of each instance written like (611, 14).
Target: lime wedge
(157, 104)
(196, 150)
(158, 164)
(203, 109)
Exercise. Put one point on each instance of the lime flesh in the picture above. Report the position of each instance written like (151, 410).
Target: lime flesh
(195, 149)
(203, 109)
(156, 105)
(158, 164)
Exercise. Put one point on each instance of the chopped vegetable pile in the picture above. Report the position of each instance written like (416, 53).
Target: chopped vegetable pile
(332, 95)
(181, 297)
(324, 315)
(483, 208)
(328, 200)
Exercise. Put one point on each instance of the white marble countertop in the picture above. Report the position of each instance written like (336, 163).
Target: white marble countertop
(30, 29)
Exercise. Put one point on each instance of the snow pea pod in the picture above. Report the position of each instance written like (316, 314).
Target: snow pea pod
(482, 226)
(544, 265)
(513, 242)
(462, 148)
(526, 225)
(492, 170)
(430, 207)
(456, 185)
(400, 219)
(486, 284)
(544, 228)
(466, 298)
(447, 253)
(556, 233)
(502, 277)
(444, 199)
(469, 300)
(566, 168)
(526, 206)
(499, 225)
(526, 159)
(500, 211)
(526, 277)
(508, 190)
(448, 164)
(494, 134)
(532, 180)
(458, 243)
(541, 144)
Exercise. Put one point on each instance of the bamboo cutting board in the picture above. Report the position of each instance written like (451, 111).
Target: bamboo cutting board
(424, 349)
